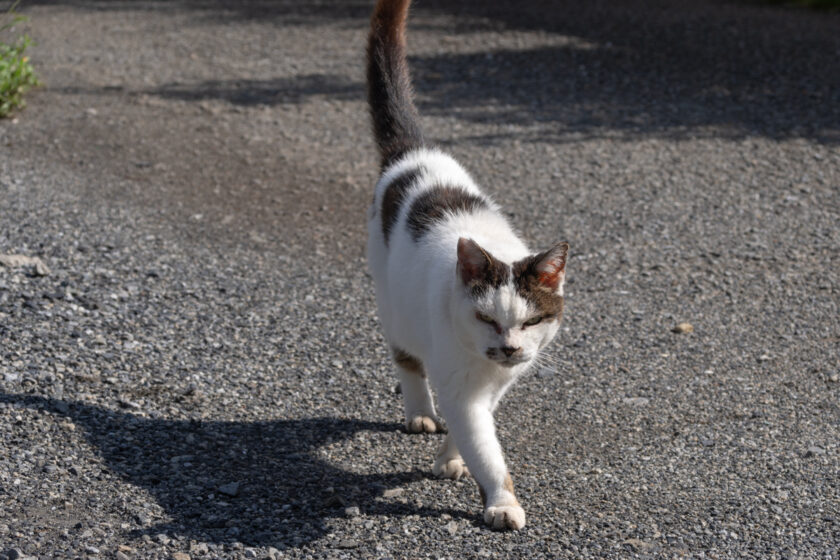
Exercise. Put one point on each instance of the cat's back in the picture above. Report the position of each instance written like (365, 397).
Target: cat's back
(418, 173)
(424, 202)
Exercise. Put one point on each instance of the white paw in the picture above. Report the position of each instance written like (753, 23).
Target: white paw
(421, 424)
(505, 517)
(450, 468)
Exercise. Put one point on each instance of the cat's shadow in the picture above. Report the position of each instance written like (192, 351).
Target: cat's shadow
(256, 483)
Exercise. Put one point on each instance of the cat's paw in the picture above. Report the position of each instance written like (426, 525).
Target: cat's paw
(450, 468)
(505, 517)
(423, 424)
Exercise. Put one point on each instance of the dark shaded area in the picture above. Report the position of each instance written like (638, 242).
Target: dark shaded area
(286, 12)
(264, 92)
(644, 69)
(241, 92)
(284, 491)
(637, 69)
(603, 91)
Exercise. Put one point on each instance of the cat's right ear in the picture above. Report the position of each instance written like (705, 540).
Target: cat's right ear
(473, 261)
(550, 268)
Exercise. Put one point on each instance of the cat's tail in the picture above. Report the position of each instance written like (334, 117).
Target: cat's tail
(395, 119)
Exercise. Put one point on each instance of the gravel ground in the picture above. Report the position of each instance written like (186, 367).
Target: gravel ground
(199, 373)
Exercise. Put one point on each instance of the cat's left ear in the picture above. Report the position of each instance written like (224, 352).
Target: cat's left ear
(473, 261)
(550, 267)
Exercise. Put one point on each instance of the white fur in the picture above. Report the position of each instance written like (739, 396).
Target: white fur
(426, 311)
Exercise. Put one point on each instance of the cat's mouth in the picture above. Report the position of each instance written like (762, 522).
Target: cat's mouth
(504, 360)
(510, 362)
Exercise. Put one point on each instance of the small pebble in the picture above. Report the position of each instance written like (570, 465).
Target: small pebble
(125, 403)
(230, 489)
(638, 545)
(684, 328)
(336, 500)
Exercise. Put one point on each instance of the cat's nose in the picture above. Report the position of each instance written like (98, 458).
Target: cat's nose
(510, 350)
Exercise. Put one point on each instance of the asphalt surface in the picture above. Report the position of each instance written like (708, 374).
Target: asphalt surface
(201, 373)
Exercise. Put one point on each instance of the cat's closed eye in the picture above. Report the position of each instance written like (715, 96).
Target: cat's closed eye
(485, 318)
(533, 321)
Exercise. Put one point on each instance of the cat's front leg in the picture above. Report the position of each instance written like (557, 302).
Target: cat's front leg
(420, 415)
(448, 461)
(472, 429)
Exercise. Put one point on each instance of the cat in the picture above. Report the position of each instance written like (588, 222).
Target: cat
(462, 301)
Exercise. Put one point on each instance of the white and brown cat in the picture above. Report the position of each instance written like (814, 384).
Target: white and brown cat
(463, 303)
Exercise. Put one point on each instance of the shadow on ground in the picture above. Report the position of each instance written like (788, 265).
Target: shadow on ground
(284, 492)
(640, 68)
(635, 69)
(265, 92)
(287, 12)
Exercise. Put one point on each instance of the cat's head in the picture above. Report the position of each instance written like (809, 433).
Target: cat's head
(509, 312)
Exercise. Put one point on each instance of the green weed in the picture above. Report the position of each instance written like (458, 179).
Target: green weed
(16, 73)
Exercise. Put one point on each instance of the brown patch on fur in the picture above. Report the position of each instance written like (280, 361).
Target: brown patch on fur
(544, 300)
(393, 198)
(496, 275)
(408, 362)
(436, 204)
(509, 487)
(538, 286)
